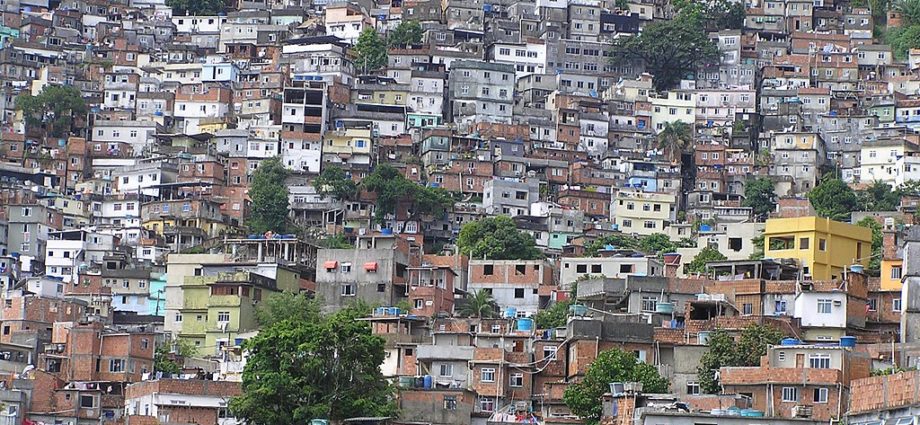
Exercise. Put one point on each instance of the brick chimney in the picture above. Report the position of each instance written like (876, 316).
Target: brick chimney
(889, 244)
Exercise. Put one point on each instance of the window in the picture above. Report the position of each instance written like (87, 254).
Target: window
(693, 388)
(747, 309)
(820, 361)
(896, 272)
(87, 401)
(822, 244)
(780, 306)
(803, 243)
(450, 402)
(116, 365)
(446, 370)
(581, 268)
(178, 317)
(488, 270)
(223, 316)
(896, 305)
(820, 395)
(790, 394)
(649, 303)
(348, 290)
(486, 404)
(487, 375)
(824, 306)
(517, 380)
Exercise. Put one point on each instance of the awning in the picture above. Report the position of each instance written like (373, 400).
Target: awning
(330, 264)
(371, 266)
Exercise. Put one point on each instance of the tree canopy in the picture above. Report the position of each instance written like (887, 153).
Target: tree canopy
(370, 51)
(496, 238)
(196, 7)
(333, 181)
(713, 15)
(286, 306)
(879, 196)
(760, 196)
(674, 138)
(406, 34)
(584, 398)
(553, 317)
(480, 304)
(656, 244)
(724, 351)
(269, 196)
(53, 109)
(326, 367)
(875, 263)
(670, 49)
(707, 255)
(392, 188)
(834, 199)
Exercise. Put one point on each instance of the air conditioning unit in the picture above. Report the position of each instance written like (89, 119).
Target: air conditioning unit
(801, 411)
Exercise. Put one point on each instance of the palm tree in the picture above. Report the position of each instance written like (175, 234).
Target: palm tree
(674, 138)
(909, 10)
(480, 305)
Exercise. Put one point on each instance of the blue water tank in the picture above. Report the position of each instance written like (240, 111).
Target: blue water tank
(848, 341)
(705, 228)
(428, 381)
(510, 312)
(525, 324)
(386, 231)
(751, 413)
(789, 341)
(578, 309)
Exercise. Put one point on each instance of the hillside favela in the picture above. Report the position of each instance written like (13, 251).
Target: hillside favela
(459, 212)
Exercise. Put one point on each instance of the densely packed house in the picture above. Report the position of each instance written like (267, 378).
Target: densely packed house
(124, 228)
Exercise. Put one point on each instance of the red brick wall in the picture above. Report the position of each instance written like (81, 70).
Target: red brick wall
(884, 392)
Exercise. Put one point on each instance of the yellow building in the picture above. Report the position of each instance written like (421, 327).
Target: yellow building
(350, 143)
(824, 247)
(890, 274)
(211, 299)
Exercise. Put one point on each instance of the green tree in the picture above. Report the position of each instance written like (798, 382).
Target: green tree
(833, 198)
(584, 398)
(392, 188)
(706, 255)
(407, 33)
(758, 247)
(553, 317)
(670, 49)
(287, 306)
(336, 242)
(480, 304)
(617, 240)
(674, 138)
(724, 351)
(167, 356)
(713, 15)
(326, 368)
(875, 263)
(657, 244)
(333, 181)
(370, 51)
(879, 196)
(903, 39)
(909, 10)
(269, 197)
(496, 238)
(53, 109)
(196, 7)
(760, 196)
